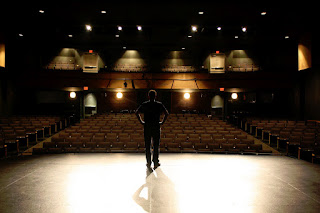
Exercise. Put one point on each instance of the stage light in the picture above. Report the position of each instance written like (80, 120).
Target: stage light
(187, 96)
(264, 13)
(119, 95)
(219, 28)
(236, 37)
(287, 37)
(194, 28)
(41, 11)
(201, 13)
(70, 36)
(21, 35)
(89, 28)
(119, 28)
(103, 12)
(117, 36)
(139, 28)
(244, 29)
(189, 36)
(73, 95)
(124, 48)
(183, 48)
(234, 96)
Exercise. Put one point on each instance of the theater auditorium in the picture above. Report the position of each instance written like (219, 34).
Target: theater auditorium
(240, 83)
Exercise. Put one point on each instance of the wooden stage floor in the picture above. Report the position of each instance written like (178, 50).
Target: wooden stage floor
(184, 183)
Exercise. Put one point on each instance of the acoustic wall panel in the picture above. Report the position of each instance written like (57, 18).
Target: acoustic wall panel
(217, 63)
(2, 55)
(90, 63)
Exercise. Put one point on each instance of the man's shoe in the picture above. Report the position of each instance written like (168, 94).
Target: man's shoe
(156, 165)
(148, 166)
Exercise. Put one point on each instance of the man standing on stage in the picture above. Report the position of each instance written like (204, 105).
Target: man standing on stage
(152, 111)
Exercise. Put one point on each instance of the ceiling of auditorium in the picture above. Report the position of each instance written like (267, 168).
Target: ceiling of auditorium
(164, 25)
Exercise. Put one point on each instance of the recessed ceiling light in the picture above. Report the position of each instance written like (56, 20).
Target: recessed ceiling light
(287, 37)
(189, 36)
(88, 27)
(20, 34)
(264, 13)
(194, 28)
(41, 11)
(103, 11)
(201, 13)
(70, 36)
(244, 29)
(139, 28)
(117, 36)
(219, 28)
(120, 28)
(236, 37)
(124, 48)
(183, 48)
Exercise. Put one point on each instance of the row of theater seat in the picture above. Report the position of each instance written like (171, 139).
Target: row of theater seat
(105, 147)
(123, 134)
(130, 68)
(298, 138)
(144, 68)
(20, 130)
(178, 68)
(119, 132)
(124, 137)
(244, 68)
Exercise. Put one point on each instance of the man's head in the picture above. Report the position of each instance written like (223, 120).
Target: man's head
(152, 95)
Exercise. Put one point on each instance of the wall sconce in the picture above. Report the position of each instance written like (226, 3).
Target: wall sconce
(119, 95)
(187, 96)
(234, 96)
(73, 95)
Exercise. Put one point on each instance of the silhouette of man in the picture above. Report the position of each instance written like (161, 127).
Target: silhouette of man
(152, 111)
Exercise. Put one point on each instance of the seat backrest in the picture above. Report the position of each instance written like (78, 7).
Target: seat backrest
(294, 138)
(220, 141)
(229, 137)
(247, 141)
(241, 136)
(200, 146)
(98, 139)
(256, 147)
(234, 141)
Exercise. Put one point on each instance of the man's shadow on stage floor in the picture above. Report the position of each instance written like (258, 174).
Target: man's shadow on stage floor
(161, 195)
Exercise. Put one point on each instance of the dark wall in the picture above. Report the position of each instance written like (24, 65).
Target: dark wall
(284, 103)
(46, 102)
(6, 97)
(24, 54)
(200, 101)
(107, 101)
(276, 103)
(312, 94)
(309, 86)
